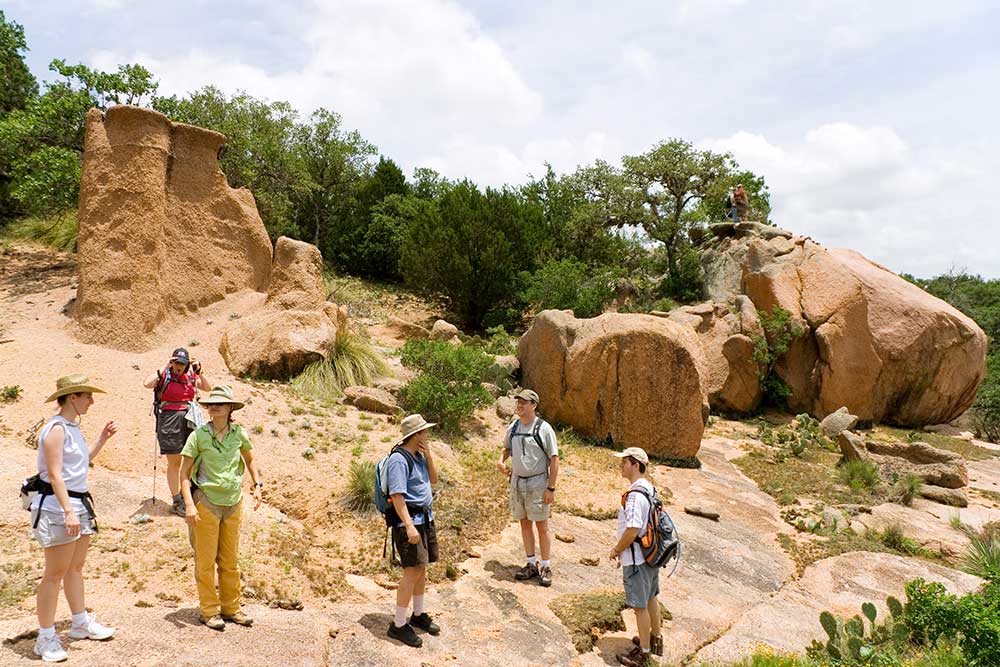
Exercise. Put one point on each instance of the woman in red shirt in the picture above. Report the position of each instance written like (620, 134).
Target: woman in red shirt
(176, 387)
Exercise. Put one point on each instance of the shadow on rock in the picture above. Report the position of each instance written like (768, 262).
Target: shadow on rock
(499, 571)
(377, 624)
(182, 617)
(611, 647)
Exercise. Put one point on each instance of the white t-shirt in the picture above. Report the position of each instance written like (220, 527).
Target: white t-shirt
(526, 457)
(635, 514)
(75, 463)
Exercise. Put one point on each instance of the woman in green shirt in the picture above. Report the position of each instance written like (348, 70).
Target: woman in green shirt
(212, 464)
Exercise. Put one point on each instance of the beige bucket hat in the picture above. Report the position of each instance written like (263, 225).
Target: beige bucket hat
(222, 394)
(75, 383)
(637, 453)
(413, 424)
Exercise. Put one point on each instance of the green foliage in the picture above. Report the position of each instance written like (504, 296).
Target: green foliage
(907, 488)
(46, 180)
(780, 331)
(859, 474)
(983, 556)
(587, 615)
(128, 85)
(796, 439)
(986, 408)
(10, 393)
(471, 247)
(17, 84)
(352, 361)
(569, 285)
(58, 231)
(449, 387)
(360, 494)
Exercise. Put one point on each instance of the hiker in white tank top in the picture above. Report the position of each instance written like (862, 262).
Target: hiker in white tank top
(62, 524)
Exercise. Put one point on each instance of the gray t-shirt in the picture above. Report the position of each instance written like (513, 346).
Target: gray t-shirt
(526, 457)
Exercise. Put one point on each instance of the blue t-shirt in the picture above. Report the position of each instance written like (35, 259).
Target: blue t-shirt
(415, 486)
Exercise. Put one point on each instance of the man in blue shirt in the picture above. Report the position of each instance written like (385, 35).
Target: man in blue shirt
(410, 472)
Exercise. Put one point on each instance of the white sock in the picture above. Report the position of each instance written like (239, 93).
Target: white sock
(46, 633)
(545, 563)
(400, 619)
(418, 605)
(80, 620)
(532, 560)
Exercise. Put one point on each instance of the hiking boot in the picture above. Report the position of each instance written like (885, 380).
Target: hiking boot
(406, 635)
(529, 571)
(636, 658)
(425, 623)
(239, 618)
(655, 644)
(50, 649)
(214, 622)
(91, 630)
(178, 506)
(545, 576)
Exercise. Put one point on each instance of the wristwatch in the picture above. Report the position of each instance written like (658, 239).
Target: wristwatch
(259, 485)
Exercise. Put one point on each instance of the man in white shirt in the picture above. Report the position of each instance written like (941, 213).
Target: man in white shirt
(530, 444)
(642, 581)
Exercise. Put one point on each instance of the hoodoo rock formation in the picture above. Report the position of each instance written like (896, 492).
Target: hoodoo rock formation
(636, 379)
(161, 231)
(297, 325)
(872, 342)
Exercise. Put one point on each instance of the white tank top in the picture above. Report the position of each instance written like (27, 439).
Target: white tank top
(75, 463)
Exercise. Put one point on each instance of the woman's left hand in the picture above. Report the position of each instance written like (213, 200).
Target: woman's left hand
(258, 496)
(109, 430)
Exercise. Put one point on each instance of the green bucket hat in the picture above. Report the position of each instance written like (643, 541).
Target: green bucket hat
(75, 383)
(222, 394)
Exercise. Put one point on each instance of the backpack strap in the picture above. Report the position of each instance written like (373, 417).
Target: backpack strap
(649, 497)
(534, 433)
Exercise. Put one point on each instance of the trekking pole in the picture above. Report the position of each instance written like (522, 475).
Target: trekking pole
(153, 499)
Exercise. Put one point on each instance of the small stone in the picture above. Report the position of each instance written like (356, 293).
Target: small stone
(135, 367)
(169, 604)
(564, 537)
(308, 453)
(208, 321)
(75, 356)
(333, 632)
(141, 518)
(473, 552)
(591, 561)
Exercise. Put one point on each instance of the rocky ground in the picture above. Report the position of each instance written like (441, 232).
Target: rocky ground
(742, 580)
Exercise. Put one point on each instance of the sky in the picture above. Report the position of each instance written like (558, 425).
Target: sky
(873, 123)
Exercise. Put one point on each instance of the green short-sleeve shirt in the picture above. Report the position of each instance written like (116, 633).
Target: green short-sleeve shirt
(218, 466)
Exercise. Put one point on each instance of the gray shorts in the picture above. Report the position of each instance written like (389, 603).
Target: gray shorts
(526, 498)
(51, 529)
(642, 584)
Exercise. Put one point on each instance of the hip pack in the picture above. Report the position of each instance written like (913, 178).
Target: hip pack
(36, 486)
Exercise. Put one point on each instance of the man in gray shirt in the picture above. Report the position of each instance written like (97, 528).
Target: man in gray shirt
(530, 444)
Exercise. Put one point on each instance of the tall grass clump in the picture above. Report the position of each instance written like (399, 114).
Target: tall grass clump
(449, 386)
(907, 488)
(58, 231)
(860, 474)
(352, 361)
(360, 495)
(983, 556)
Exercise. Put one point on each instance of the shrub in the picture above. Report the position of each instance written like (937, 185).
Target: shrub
(983, 556)
(568, 285)
(986, 408)
(860, 475)
(449, 387)
(10, 393)
(779, 333)
(352, 361)
(907, 488)
(360, 495)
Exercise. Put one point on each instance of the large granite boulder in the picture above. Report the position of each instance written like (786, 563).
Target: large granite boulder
(161, 232)
(871, 341)
(634, 379)
(727, 334)
(296, 327)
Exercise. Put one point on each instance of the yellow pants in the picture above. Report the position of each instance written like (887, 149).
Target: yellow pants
(216, 541)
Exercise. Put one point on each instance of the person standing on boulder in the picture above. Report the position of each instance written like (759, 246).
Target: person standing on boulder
(176, 413)
(530, 444)
(410, 472)
(62, 514)
(641, 581)
(213, 461)
(741, 202)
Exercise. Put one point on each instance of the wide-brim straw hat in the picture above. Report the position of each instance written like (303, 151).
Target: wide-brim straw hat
(75, 383)
(413, 424)
(222, 394)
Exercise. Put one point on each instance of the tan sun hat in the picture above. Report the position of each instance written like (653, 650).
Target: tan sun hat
(528, 395)
(222, 394)
(413, 424)
(638, 453)
(75, 383)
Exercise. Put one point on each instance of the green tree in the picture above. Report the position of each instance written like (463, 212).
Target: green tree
(128, 85)
(17, 83)
(714, 208)
(471, 247)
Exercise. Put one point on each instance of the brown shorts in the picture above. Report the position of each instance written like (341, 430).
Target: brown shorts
(423, 552)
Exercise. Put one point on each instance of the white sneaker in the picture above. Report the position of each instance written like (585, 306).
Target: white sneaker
(50, 649)
(92, 630)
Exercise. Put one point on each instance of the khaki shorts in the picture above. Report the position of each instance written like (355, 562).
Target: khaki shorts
(51, 529)
(526, 498)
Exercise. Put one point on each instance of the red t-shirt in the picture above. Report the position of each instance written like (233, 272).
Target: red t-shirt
(178, 391)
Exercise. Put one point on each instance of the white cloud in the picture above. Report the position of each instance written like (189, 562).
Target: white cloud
(640, 60)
